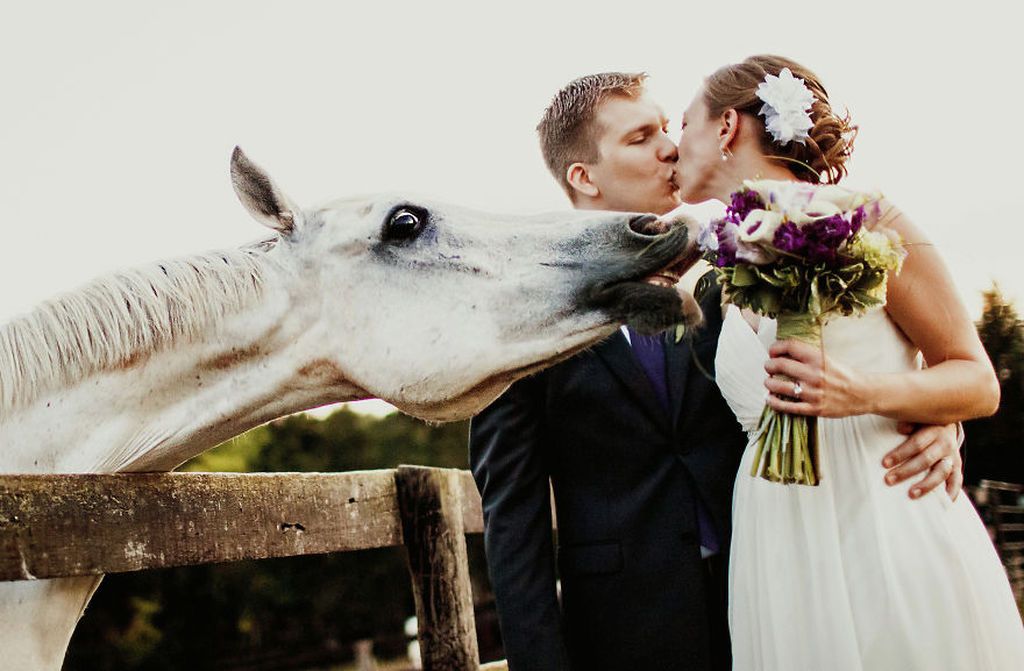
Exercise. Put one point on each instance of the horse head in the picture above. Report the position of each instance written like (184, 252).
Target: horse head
(437, 309)
(434, 308)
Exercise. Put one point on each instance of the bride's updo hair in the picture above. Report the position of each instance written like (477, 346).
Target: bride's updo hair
(823, 155)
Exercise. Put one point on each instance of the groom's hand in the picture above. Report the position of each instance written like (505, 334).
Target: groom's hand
(932, 450)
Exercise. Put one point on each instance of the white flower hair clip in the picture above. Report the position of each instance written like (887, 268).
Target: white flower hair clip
(786, 109)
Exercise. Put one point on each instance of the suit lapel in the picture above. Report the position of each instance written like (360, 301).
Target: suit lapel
(618, 356)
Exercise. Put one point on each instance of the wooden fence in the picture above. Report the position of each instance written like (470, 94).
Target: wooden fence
(71, 525)
(1001, 505)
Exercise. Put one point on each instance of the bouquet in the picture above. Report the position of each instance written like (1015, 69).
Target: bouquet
(799, 253)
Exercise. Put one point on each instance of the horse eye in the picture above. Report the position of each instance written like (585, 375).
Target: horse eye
(403, 224)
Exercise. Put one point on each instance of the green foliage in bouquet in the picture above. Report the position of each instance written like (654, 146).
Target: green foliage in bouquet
(815, 290)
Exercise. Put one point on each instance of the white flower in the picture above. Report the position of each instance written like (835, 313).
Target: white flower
(803, 202)
(708, 238)
(760, 226)
(780, 195)
(754, 254)
(787, 101)
(842, 199)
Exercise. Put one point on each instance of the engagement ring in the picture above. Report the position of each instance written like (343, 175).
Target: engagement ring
(947, 464)
(797, 390)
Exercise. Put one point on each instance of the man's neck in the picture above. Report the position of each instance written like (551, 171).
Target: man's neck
(587, 203)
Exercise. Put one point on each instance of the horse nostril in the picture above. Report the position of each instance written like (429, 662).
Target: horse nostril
(648, 224)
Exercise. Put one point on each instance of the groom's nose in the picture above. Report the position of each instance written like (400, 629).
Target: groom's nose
(667, 151)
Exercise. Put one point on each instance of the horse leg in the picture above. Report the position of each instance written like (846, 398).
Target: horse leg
(37, 619)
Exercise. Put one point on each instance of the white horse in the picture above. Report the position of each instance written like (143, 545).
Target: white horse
(433, 308)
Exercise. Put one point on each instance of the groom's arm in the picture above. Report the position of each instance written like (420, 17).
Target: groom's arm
(932, 451)
(511, 471)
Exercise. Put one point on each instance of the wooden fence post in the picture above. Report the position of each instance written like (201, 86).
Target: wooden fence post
(430, 502)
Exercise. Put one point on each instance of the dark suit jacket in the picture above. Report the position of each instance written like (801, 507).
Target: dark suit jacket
(625, 474)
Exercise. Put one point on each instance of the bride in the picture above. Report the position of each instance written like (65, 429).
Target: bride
(849, 575)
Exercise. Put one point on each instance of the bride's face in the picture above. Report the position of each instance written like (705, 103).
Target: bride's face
(699, 152)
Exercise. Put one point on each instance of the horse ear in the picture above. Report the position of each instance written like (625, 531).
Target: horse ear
(258, 193)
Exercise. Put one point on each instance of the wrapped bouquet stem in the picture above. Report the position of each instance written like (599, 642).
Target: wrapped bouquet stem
(787, 445)
(799, 253)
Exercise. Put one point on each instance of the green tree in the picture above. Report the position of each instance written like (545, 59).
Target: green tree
(994, 443)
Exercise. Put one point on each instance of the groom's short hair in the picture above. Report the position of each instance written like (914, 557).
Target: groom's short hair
(568, 132)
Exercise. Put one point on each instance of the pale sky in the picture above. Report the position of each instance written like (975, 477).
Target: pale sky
(118, 118)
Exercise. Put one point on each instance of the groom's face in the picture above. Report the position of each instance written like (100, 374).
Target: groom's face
(636, 168)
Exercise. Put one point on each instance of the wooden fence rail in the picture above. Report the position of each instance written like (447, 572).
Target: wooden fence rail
(1001, 505)
(69, 525)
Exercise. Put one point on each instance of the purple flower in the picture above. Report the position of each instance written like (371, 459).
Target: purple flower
(726, 257)
(818, 241)
(790, 238)
(824, 238)
(743, 202)
(725, 232)
(834, 230)
(819, 252)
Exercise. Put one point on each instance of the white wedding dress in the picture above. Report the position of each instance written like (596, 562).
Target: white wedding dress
(853, 575)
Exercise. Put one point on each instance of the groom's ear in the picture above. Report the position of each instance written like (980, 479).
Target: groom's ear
(578, 177)
(729, 126)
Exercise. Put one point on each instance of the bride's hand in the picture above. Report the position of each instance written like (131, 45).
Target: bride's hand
(813, 384)
(829, 389)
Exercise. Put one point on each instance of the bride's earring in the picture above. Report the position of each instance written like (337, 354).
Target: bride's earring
(725, 154)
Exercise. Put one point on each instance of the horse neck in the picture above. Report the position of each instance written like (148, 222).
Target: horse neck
(258, 364)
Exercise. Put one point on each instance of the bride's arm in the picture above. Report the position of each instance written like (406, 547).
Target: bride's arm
(959, 382)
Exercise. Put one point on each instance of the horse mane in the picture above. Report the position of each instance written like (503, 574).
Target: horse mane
(120, 319)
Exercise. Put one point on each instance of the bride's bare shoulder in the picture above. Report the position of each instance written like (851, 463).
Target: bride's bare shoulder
(884, 215)
(922, 298)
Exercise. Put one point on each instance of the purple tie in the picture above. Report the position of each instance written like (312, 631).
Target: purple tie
(650, 352)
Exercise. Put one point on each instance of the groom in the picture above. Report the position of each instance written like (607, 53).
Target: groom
(638, 445)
